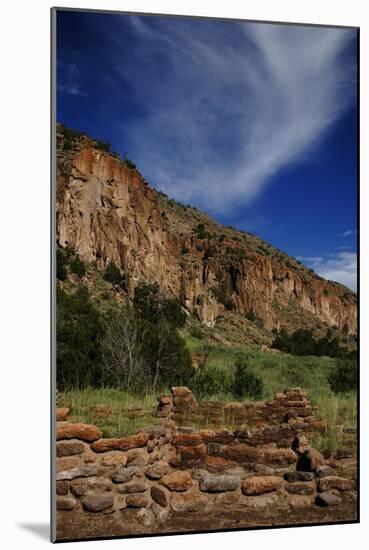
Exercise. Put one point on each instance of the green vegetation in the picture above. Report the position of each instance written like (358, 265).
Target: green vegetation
(77, 266)
(246, 382)
(131, 165)
(344, 378)
(302, 342)
(79, 333)
(67, 260)
(201, 232)
(131, 347)
(112, 274)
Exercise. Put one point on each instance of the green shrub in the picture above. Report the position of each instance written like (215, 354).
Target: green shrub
(79, 333)
(152, 305)
(246, 382)
(201, 232)
(214, 380)
(131, 165)
(113, 275)
(103, 145)
(343, 378)
(61, 263)
(67, 145)
(196, 332)
(77, 266)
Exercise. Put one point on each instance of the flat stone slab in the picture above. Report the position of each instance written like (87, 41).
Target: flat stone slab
(219, 484)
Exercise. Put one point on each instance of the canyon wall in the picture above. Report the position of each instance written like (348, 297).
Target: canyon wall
(107, 212)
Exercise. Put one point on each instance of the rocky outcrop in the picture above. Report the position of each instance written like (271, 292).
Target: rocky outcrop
(107, 212)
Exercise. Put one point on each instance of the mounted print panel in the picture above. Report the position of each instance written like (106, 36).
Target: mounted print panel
(205, 366)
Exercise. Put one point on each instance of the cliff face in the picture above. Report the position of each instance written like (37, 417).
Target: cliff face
(107, 212)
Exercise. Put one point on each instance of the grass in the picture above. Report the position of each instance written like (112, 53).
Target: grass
(126, 413)
(130, 413)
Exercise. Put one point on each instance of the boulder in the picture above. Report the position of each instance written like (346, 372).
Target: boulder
(86, 432)
(97, 503)
(177, 481)
(188, 502)
(192, 454)
(219, 484)
(257, 485)
(121, 444)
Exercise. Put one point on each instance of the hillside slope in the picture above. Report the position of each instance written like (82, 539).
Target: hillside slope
(107, 212)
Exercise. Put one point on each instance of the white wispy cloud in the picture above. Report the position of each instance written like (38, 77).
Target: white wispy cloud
(340, 267)
(349, 233)
(68, 80)
(227, 108)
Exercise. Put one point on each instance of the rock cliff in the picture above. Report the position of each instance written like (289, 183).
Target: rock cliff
(107, 212)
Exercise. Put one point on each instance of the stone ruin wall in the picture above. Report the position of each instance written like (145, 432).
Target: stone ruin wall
(171, 468)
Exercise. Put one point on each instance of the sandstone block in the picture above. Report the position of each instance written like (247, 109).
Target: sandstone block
(188, 439)
(98, 503)
(334, 482)
(137, 457)
(159, 496)
(219, 484)
(137, 501)
(157, 470)
(132, 487)
(114, 458)
(62, 413)
(177, 481)
(280, 457)
(257, 485)
(299, 476)
(192, 454)
(188, 502)
(325, 470)
(120, 444)
(299, 488)
(300, 502)
(66, 463)
(65, 503)
(79, 471)
(181, 391)
(69, 448)
(86, 432)
(62, 488)
(81, 487)
(217, 463)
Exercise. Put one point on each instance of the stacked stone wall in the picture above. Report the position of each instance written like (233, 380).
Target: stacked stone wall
(168, 469)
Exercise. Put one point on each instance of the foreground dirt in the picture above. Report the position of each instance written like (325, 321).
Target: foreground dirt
(129, 522)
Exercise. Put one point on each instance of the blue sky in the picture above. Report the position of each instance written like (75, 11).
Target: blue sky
(253, 123)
